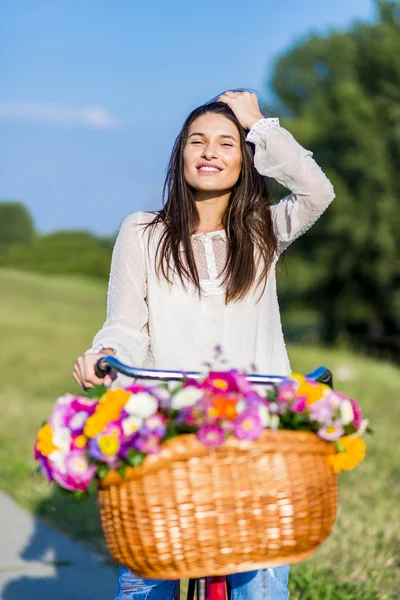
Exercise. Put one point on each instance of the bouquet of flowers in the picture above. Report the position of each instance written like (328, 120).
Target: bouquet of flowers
(86, 437)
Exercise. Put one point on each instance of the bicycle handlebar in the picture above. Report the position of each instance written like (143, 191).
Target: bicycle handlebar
(107, 363)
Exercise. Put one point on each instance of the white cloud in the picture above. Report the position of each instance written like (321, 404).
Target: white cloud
(95, 117)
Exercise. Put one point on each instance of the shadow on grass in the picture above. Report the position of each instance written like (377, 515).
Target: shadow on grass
(56, 566)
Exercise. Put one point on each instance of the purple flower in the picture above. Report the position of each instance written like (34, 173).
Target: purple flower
(149, 444)
(332, 432)
(248, 426)
(155, 425)
(211, 435)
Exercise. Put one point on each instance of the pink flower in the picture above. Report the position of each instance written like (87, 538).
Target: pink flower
(357, 414)
(299, 405)
(227, 382)
(211, 435)
(286, 393)
(248, 426)
(332, 432)
(71, 412)
(75, 474)
(321, 411)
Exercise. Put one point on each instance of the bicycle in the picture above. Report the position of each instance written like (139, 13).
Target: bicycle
(205, 588)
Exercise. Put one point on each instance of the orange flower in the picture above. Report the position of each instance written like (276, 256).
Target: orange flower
(44, 443)
(223, 408)
(108, 409)
(352, 454)
(312, 391)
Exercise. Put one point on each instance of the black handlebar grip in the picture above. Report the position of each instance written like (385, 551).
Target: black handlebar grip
(101, 369)
(326, 378)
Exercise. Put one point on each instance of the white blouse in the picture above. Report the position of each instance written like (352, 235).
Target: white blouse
(157, 325)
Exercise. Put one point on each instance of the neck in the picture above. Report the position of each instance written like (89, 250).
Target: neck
(211, 207)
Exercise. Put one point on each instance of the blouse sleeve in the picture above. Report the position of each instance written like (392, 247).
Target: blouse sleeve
(279, 156)
(125, 329)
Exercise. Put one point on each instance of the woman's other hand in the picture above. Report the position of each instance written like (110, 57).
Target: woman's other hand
(244, 105)
(84, 370)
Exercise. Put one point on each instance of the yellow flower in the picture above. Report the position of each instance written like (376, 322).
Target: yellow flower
(109, 445)
(80, 441)
(312, 391)
(220, 384)
(44, 442)
(354, 453)
(108, 409)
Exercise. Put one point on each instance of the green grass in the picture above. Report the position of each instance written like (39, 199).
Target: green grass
(45, 322)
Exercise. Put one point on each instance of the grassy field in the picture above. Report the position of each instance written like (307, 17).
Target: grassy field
(45, 322)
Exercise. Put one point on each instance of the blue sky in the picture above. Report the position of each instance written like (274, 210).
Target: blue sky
(93, 92)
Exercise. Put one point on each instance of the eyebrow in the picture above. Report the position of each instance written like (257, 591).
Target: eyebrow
(222, 136)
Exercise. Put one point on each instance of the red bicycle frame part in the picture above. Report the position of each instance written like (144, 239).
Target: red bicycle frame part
(207, 588)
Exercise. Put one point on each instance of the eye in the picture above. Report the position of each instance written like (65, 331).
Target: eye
(197, 142)
(227, 145)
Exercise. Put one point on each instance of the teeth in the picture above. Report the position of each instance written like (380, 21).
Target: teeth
(209, 169)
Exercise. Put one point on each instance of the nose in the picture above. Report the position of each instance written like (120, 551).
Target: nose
(210, 151)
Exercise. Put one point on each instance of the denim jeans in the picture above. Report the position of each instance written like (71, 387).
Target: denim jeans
(268, 584)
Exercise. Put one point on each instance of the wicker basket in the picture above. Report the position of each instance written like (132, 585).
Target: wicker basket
(192, 512)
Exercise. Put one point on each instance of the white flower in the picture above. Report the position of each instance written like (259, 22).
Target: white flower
(346, 412)
(58, 460)
(78, 420)
(265, 415)
(274, 422)
(162, 393)
(62, 438)
(131, 424)
(141, 405)
(240, 406)
(186, 397)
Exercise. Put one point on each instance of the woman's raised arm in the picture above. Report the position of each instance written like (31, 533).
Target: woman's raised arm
(279, 156)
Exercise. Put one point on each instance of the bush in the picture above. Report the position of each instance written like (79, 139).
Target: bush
(65, 252)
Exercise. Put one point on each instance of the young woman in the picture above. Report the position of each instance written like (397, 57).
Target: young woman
(201, 272)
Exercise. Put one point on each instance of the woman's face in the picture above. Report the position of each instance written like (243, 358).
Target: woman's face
(212, 155)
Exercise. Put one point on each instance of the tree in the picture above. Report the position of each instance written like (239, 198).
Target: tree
(16, 225)
(340, 95)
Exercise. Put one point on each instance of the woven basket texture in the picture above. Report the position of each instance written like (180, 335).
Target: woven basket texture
(191, 511)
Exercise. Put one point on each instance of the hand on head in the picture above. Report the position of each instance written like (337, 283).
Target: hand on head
(245, 107)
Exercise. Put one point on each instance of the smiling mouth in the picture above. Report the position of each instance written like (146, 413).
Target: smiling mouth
(207, 169)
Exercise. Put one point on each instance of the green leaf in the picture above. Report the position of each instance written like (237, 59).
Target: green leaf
(135, 458)
(80, 496)
(339, 447)
(122, 469)
(102, 470)
(92, 488)
(64, 492)
(96, 392)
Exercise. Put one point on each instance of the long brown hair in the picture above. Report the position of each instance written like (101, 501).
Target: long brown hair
(246, 220)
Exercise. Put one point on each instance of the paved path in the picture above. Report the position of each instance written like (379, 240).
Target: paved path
(40, 563)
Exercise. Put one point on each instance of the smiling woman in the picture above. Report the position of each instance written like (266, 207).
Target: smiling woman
(201, 272)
